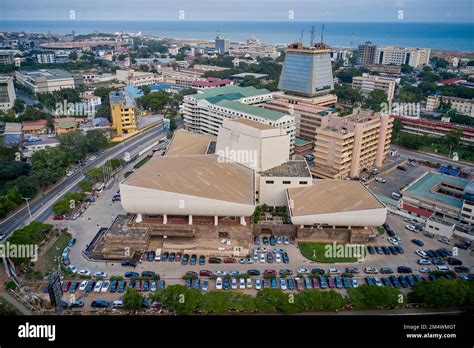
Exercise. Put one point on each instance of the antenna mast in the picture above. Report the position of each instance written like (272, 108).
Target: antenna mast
(312, 36)
(322, 34)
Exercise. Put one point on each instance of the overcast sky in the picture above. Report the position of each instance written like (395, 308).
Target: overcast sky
(320, 10)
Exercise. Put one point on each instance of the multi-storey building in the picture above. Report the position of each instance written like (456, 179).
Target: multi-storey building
(222, 44)
(366, 53)
(204, 112)
(460, 105)
(366, 84)
(415, 57)
(307, 71)
(437, 128)
(123, 112)
(138, 78)
(308, 117)
(47, 80)
(46, 58)
(345, 146)
(444, 197)
(7, 93)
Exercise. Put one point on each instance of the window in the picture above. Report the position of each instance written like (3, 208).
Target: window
(285, 182)
(303, 182)
(269, 182)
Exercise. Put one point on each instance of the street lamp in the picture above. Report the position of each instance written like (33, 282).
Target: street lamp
(26, 199)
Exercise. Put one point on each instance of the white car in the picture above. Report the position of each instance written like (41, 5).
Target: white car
(233, 284)
(105, 286)
(302, 271)
(83, 285)
(378, 282)
(249, 283)
(424, 262)
(220, 273)
(443, 268)
(258, 284)
(153, 286)
(219, 283)
(394, 241)
(242, 284)
(424, 269)
(421, 253)
(69, 173)
(370, 270)
(278, 258)
(72, 268)
(100, 274)
(334, 271)
(411, 228)
(381, 180)
(261, 250)
(283, 284)
(355, 284)
(84, 272)
(262, 258)
(444, 240)
(98, 286)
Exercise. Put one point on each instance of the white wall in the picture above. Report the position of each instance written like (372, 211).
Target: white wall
(275, 194)
(139, 200)
(358, 218)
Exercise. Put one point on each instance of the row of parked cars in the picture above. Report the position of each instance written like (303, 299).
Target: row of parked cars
(274, 240)
(386, 250)
(111, 285)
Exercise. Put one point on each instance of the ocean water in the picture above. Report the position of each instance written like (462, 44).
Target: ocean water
(445, 36)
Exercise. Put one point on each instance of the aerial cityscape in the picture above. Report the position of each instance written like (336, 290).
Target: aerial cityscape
(211, 162)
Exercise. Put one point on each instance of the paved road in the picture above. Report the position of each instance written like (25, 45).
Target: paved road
(41, 206)
(405, 153)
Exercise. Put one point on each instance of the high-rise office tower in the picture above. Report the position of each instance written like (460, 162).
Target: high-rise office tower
(222, 44)
(366, 53)
(307, 71)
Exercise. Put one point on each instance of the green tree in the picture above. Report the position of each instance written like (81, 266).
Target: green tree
(86, 185)
(376, 100)
(452, 138)
(443, 292)
(19, 106)
(181, 299)
(369, 297)
(132, 300)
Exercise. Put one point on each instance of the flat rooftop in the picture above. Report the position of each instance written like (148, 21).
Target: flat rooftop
(252, 123)
(251, 110)
(289, 169)
(231, 92)
(187, 143)
(424, 187)
(50, 74)
(200, 176)
(332, 196)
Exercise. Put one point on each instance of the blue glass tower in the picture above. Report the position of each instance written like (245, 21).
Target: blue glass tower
(307, 71)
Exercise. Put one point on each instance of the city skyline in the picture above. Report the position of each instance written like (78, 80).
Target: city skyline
(207, 10)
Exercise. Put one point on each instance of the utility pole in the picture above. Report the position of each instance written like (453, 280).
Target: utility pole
(27, 204)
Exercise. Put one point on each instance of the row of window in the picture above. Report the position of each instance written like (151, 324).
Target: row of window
(285, 182)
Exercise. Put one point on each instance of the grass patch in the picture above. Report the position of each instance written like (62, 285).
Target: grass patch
(381, 230)
(7, 309)
(308, 249)
(46, 262)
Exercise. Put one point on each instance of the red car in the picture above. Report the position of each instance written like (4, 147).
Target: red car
(66, 285)
(66, 261)
(138, 285)
(332, 282)
(230, 260)
(299, 284)
(58, 217)
(205, 273)
(316, 283)
(292, 240)
(177, 258)
(270, 271)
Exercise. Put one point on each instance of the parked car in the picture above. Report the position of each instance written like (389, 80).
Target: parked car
(226, 260)
(370, 270)
(334, 271)
(100, 304)
(202, 260)
(219, 284)
(417, 242)
(253, 272)
(205, 273)
(302, 271)
(193, 259)
(98, 286)
(256, 240)
(319, 271)
(429, 234)
(213, 259)
(185, 259)
(131, 275)
(371, 250)
(77, 304)
(453, 261)
(71, 242)
(386, 270)
(404, 269)
(290, 284)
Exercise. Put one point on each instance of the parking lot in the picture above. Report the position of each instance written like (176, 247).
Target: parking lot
(397, 179)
